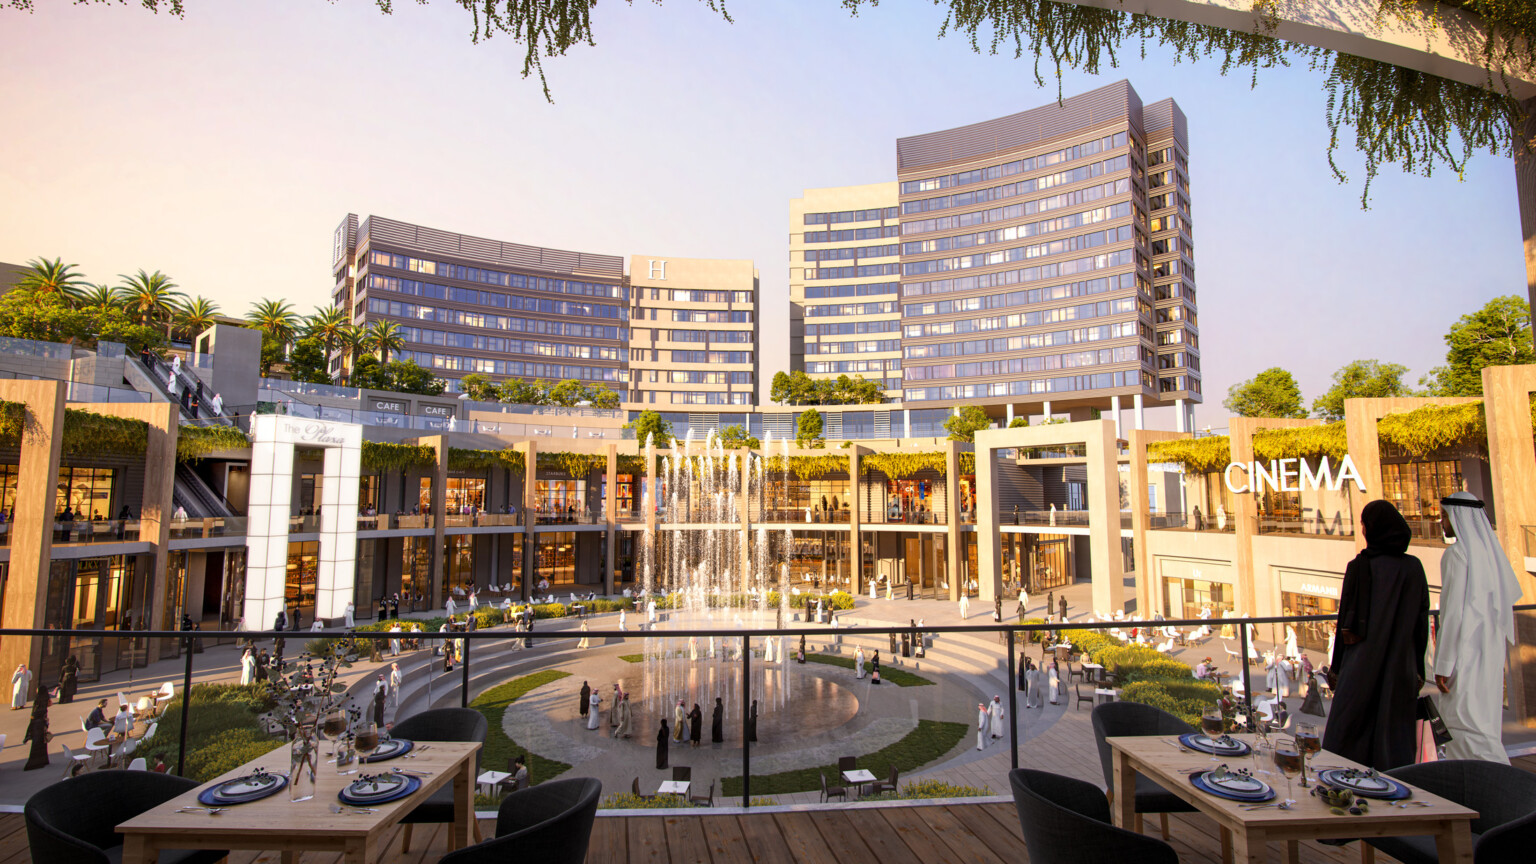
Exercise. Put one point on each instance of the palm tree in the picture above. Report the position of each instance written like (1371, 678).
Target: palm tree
(351, 340)
(150, 297)
(384, 337)
(53, 277)
(326, 325)
(275, 317)
(197, 315)
(96, 297)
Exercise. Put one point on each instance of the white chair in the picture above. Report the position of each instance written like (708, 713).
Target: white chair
(96, 742)
(122, 699)
(149, 733)
(166, 693)
(71, 759)
(144, 706)
(138, 765)
(84, 728)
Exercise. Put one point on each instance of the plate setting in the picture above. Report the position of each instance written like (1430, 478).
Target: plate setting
(371, 789)
(1365, 783)
(389, 750)
(243, 790)
(1223, 746)
(1233, 785)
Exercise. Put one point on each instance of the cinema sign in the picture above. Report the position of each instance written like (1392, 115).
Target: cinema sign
(1292, 475)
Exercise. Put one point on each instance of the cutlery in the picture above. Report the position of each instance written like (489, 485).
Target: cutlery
(1407, 804)
(212, 811)
(411, 772)
(355, 811)
(1280, 806)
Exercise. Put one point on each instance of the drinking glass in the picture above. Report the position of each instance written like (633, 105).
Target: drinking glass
(333, 727)
(1262, 754)
(1288, 759)
(1212, 723)
(367, 740)
(1307, 741)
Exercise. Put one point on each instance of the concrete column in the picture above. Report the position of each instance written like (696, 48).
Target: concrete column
(530, 475)
(906, 422)
(1182, 410)
(37, 478)
(610, 509)
(952, 517)
(1507, 392)
(649, 503)
(1009, 419)
(989, 559)
(1104, 518)
(1148, 586)
(744, 510)
(439, 512)
(855, 521)
(1141, 414)
(1114, 408)
(1046, 409)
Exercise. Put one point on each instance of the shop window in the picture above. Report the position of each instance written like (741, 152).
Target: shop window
(85, 492)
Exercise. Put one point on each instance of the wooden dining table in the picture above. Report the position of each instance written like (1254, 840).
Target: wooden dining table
(294, 827)
(1246, 833)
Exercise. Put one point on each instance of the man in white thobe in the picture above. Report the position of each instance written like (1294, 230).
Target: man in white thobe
(858, 662)
(451, 607)
(21, 683)
(982, 718)
(998, 713)
(351, 609)
(1478, 590)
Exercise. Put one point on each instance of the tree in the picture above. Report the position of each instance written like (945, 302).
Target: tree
(653, 428)
(25, 314)
(520, 392)
(568, 393)
(1360, 379)
(398, 376)
(1271, 393)
(1499, 334)
(150, 297)
(480, 388)
(53, 277)
(808, 428)
(735, 436)
(384, 337)
(1018, 422)
(964, 425)
(196, 315)
(273, 352)
(309, 362)
(349, 340)
(798, 388)
(326, 325)
(96, 297)
(275, 318)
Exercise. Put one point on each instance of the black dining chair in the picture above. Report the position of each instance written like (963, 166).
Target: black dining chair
(1066, 821)
(1503, 796)
(75, 821)
(1114, 719)
(830, 792)
(1078, 705)
(550, 823)
(440, 724)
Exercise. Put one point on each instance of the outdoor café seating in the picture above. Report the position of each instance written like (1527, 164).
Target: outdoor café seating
(75, 821)
(550, 823)
(1504, 797)
(440, 724)
(1066, 821)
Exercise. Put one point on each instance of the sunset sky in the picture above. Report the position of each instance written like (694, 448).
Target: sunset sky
(223, 148)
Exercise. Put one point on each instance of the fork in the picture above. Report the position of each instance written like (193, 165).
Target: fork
(355, 811)
(211, 811)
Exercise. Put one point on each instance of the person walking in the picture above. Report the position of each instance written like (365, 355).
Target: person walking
(396, 678)
(1062, 603)
(717, 723)
(586, 697)
(247, 667)
(69, 679)
(998, 715)
(752, 723)
(965, 605)
(982, 719)
(858, 663)
(679, 719)
(695, 726)
(21, 684)
(1378, 660)
(380, 694)
(1053, 677)
(1477, 595)
(661, 745)
(594, 710)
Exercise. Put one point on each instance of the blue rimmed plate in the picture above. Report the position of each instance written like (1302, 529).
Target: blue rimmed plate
(389, 750)
(1365, 784)
(1215, 747)
(369, 791)
(242, 790)
(1234, 787)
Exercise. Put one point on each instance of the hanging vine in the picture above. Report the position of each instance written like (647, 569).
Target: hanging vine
(465, 459)
(807, 467)
(380, 456)
(1301, 442)
(1194, 455)
(195, 442)
(576, 465)
(1423, 431)
(898, 466)
(630, 464)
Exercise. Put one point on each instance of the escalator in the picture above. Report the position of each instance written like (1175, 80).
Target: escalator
(196, 497)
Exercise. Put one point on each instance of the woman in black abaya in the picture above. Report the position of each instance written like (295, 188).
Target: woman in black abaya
(717, 723)
(1378, 656)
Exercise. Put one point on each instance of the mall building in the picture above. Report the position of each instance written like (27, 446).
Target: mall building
(1039, 265)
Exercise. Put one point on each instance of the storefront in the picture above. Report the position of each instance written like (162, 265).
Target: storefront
(1310, 592)
(94, 594)
(1191, 586)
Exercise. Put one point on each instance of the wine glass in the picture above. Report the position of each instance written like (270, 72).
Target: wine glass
(1212, 723)
(1307, 741)
(1262, 754)
(1289, 760)
(333, 727)
(367, 740)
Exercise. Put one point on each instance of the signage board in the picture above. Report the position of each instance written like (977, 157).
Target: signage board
(1290, 475)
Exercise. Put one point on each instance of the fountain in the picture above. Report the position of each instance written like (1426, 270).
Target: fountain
(703, 572)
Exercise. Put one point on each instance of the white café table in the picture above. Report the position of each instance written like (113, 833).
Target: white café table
(673, 787)
(858, 778)
(488, 781)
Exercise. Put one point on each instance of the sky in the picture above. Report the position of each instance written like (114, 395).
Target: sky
(223, 149)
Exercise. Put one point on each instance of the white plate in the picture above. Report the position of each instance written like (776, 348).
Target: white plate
(1239, 783)
(387, 785)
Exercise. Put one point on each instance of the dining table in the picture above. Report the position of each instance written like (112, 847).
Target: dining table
(291, 828)
(1246, 829)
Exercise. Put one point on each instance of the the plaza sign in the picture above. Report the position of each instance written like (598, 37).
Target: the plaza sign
(1292, 475)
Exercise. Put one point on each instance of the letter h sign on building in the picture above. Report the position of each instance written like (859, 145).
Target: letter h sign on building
(1291, 475)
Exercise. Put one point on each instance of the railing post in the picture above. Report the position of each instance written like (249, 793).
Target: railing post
(1247, 686)
(464, 691)
(746, 706)
(1013, 701)
(186, 707)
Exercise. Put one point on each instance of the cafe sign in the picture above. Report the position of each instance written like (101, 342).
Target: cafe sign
(1291, 475)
